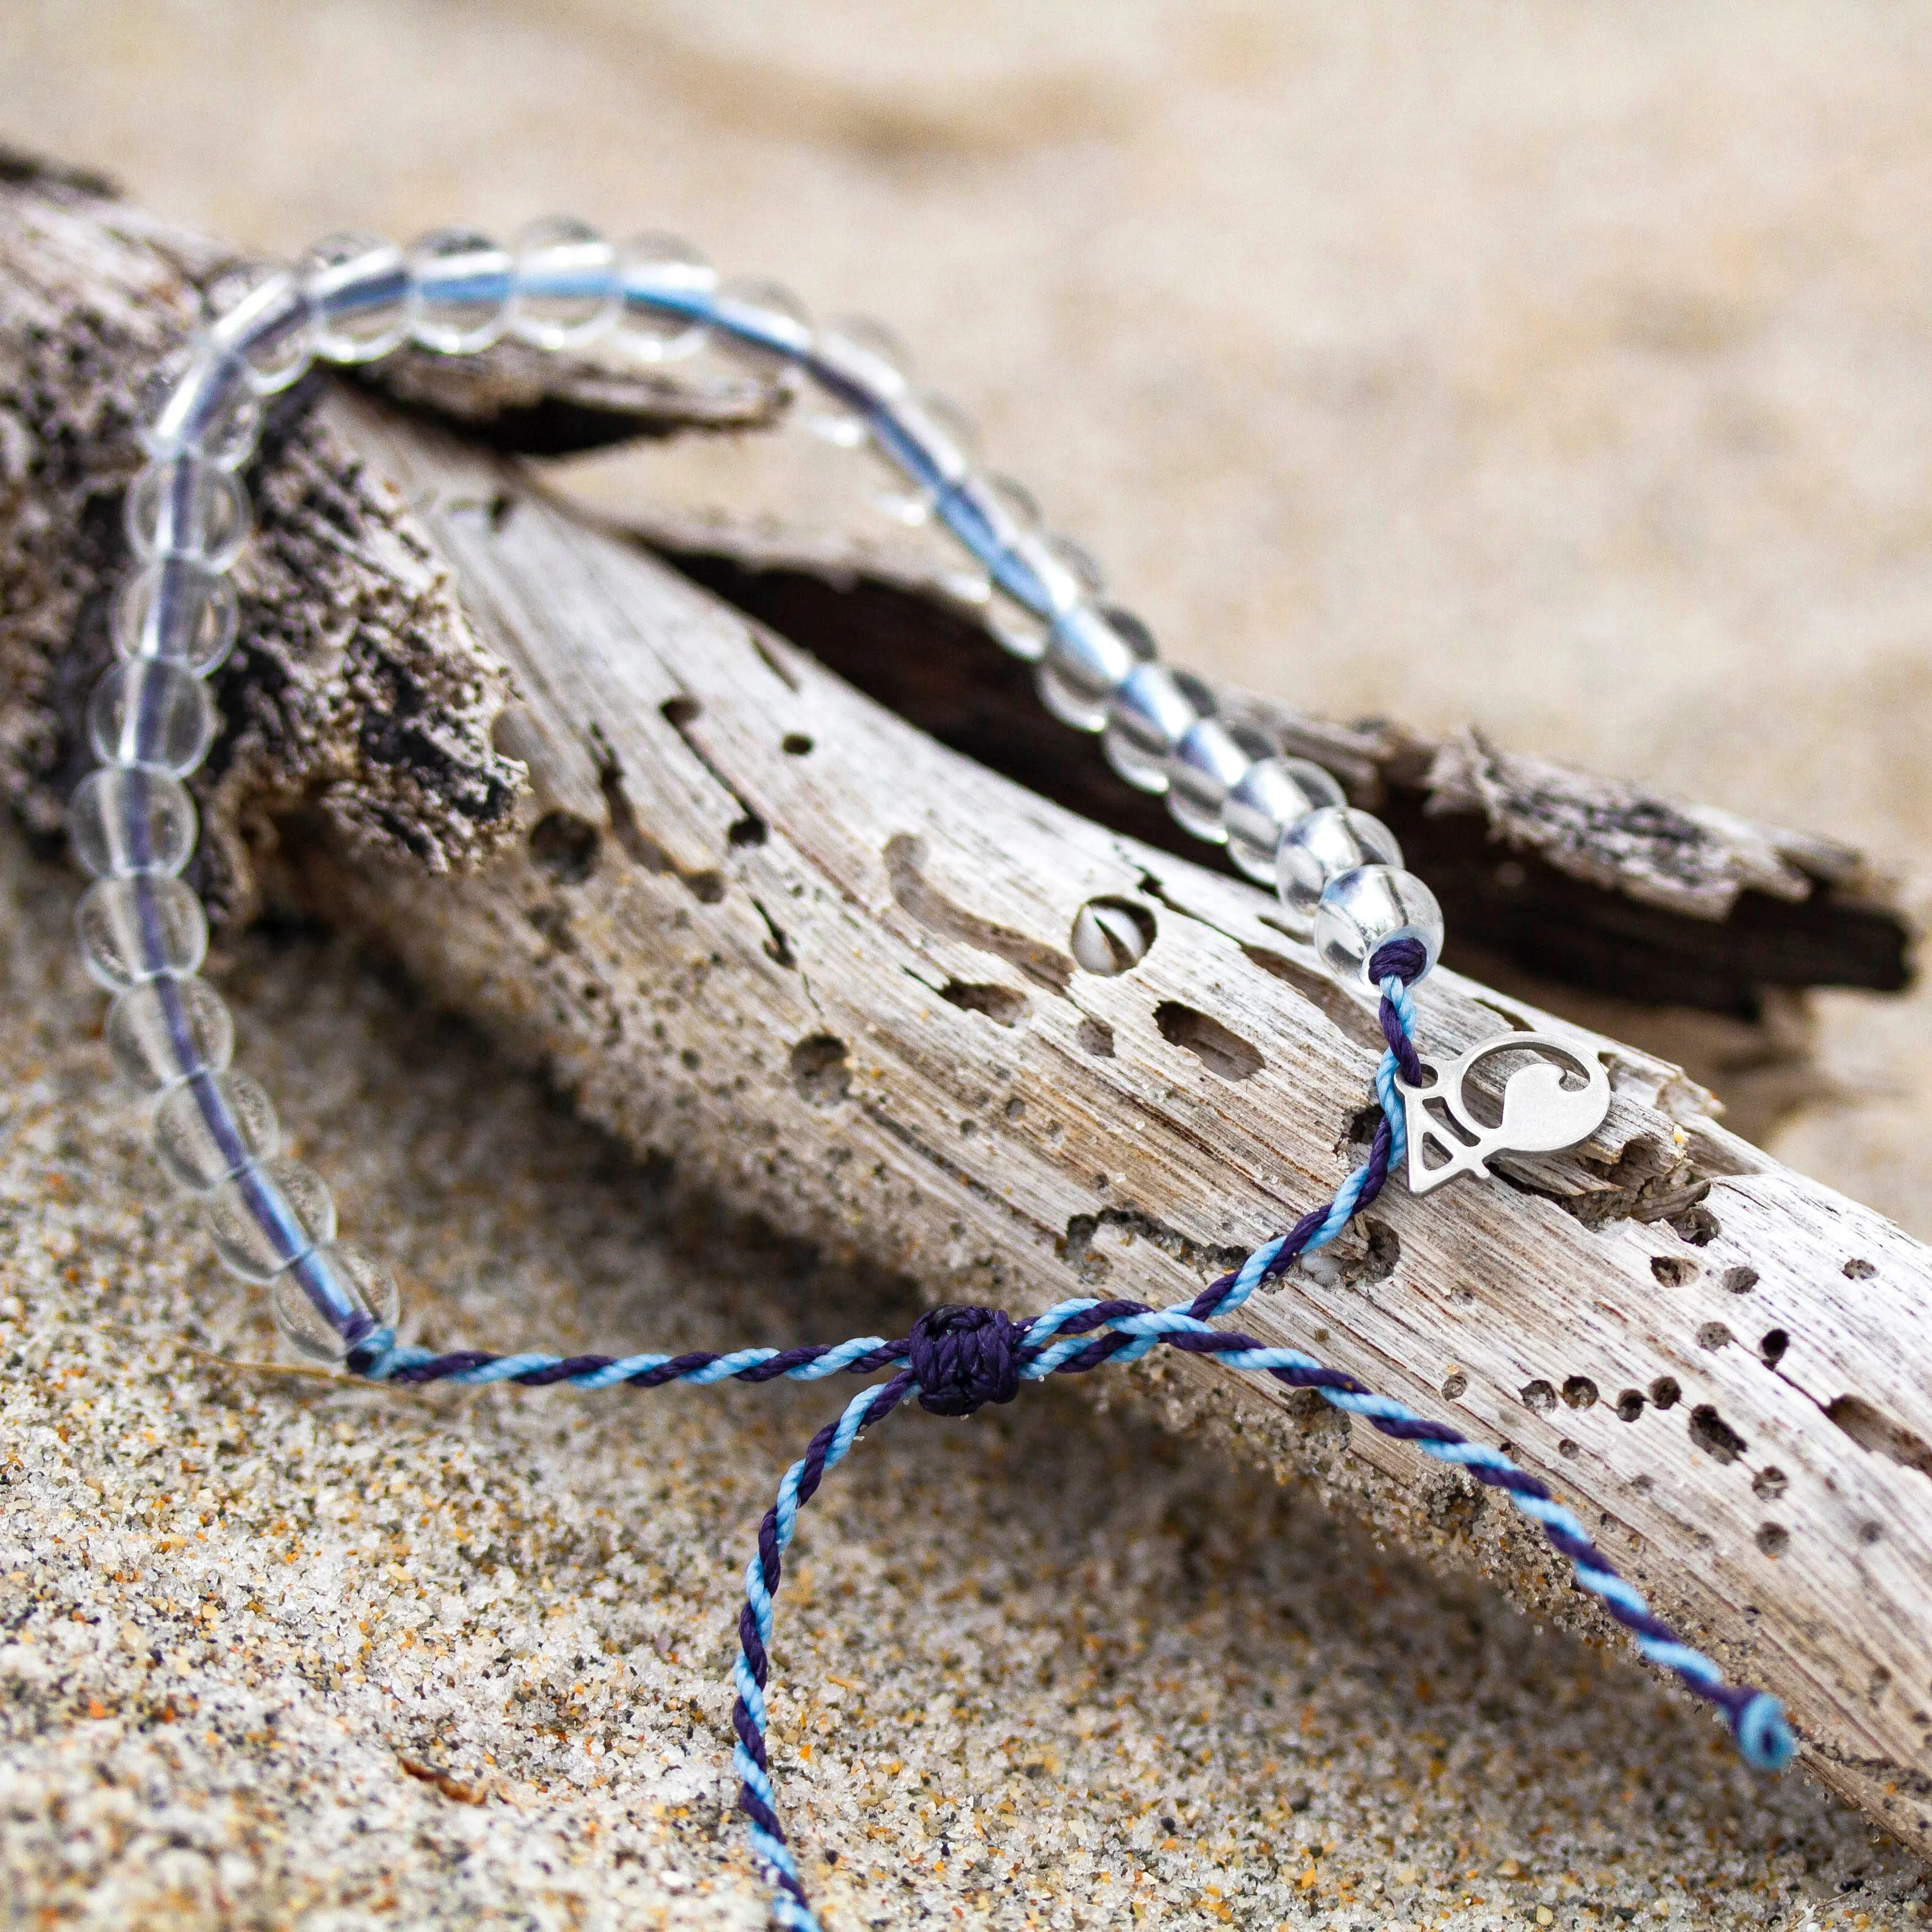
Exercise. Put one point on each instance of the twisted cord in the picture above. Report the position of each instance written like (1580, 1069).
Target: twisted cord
(955, 1360)
(756, 1798)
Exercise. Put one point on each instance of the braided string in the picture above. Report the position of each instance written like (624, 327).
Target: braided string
(957, 1360)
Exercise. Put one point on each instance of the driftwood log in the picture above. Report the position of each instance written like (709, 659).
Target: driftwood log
(771, 932)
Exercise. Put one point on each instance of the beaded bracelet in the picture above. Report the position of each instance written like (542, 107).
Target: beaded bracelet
(1374, 925)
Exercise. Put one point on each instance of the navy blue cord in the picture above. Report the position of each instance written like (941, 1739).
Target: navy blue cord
(957, 1360)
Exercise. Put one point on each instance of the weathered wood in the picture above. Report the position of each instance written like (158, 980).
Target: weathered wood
(767, 930)
(1596, 884)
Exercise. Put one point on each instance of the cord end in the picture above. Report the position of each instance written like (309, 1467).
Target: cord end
(1764, 1735)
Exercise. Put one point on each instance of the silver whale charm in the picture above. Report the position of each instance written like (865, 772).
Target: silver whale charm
(1540, 1113)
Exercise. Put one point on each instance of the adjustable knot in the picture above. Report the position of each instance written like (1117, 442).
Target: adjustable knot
(963, 1358)
(1407, 959)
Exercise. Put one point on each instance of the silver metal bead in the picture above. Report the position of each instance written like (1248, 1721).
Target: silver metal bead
(1322, 846)
(1211, 759)
(1154, 709)
(1089, 656)
(1366, 908)
(1270, 796)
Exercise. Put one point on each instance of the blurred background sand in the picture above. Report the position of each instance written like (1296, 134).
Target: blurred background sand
(1561, 368)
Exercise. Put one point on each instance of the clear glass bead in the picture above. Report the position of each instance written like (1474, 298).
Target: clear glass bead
(200, 403)
(163, 1030)
(663, 280)
(130, 820)
(149, 712)
(1016, 632)
(131, 929)
(1364, 909)
(928, 445)
(188, 508)
(1211, 759)
(1270, 796)
(213, 1125)
(1090, 651)
(1042, 578)
(762, 325)
(359, 285)
(1148, 717)
(334, 1297)
(460, 284)
(566, 289)
(270, 330)
(264, 1216)
(177, 610)
(857, 363)
(1320, 847)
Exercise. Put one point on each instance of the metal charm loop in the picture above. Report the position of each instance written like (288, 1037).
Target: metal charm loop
(1540, 1113)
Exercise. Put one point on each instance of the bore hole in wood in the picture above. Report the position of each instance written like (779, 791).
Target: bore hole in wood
(1740, 1280)
(1095, 1037)
(1671, 1271)
(1773, 1346)
(795, 745)
(1665, 1393)
(1713, 1435)
(1856, 1270)
(749, 830)
(1579, 1392)
(1219, 1049)
(1005, 1006)
(819, 1069)
(679, 711)
(1112, 935)
(1696, 1225)
(1769, 1484)
(1630, 1405)
(1771, 1538)
(1567, 1447)
(1871, 1428)
(565, 846)
(1713, 1335)
(1454, 1385)
(707, 887)
(1540, 1396)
